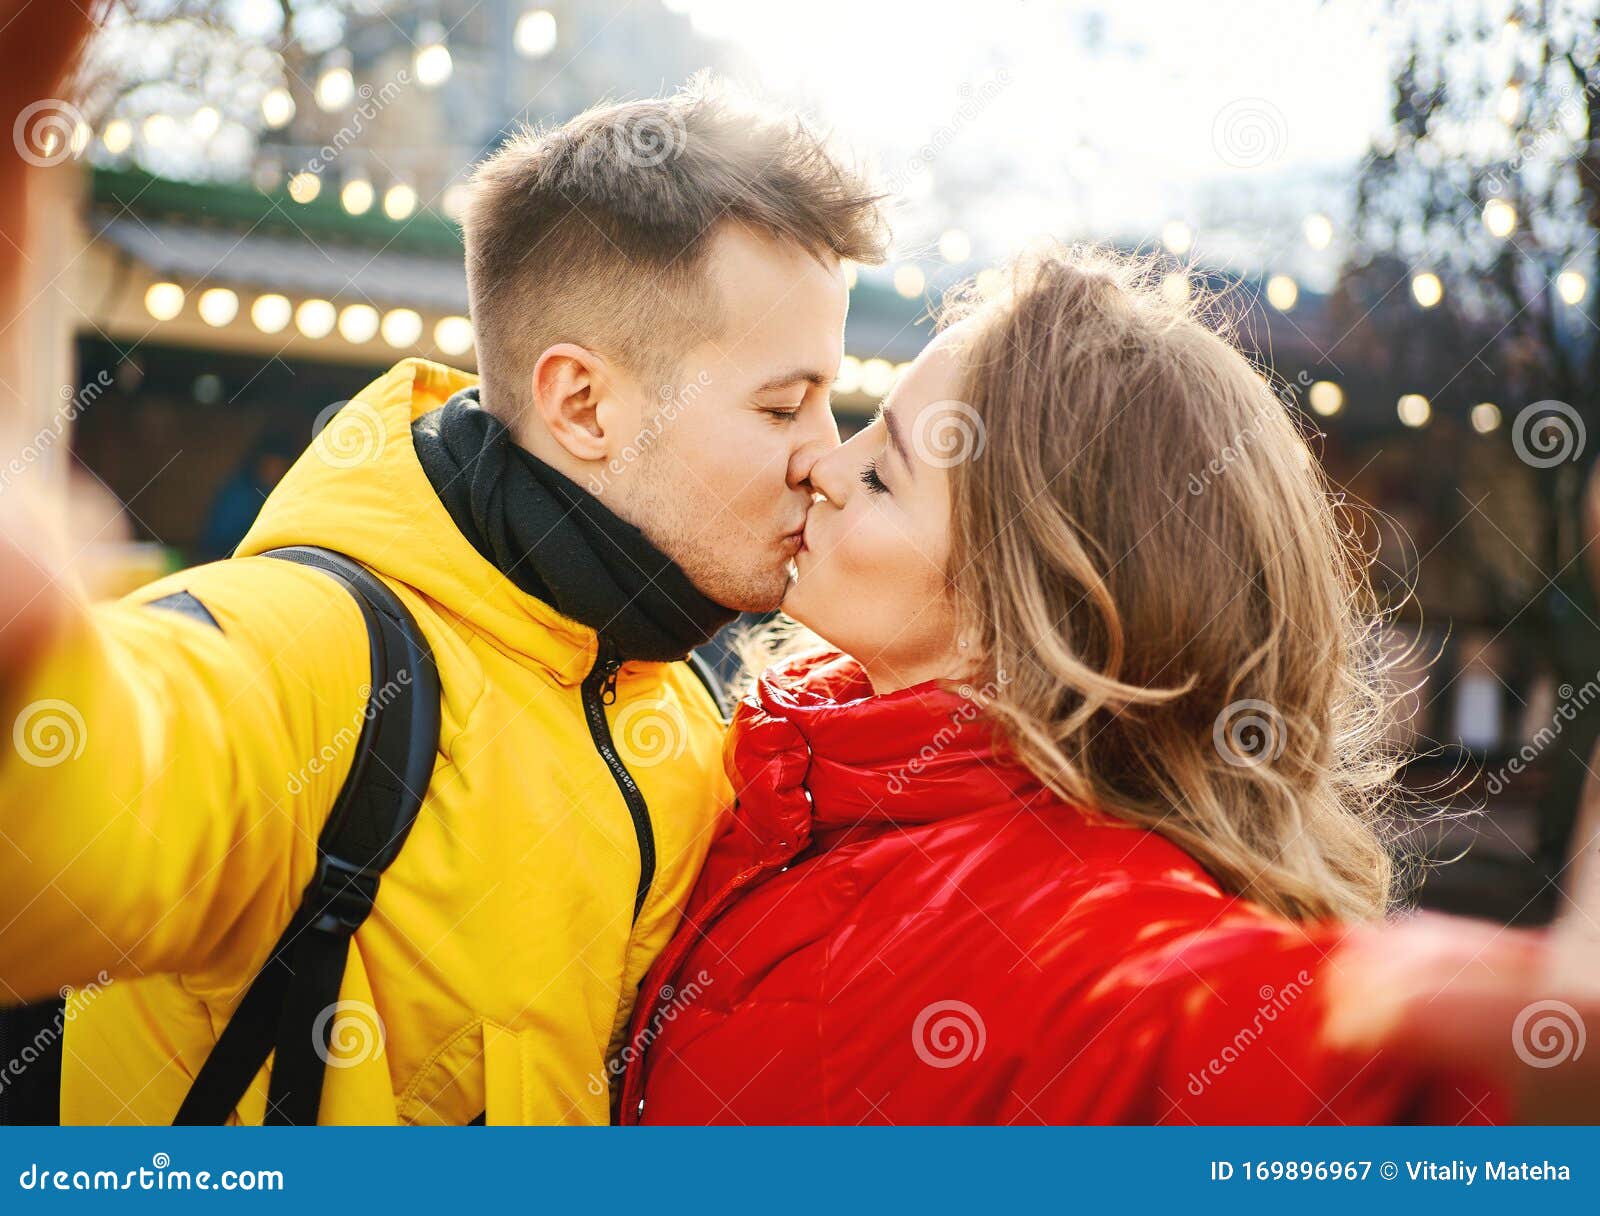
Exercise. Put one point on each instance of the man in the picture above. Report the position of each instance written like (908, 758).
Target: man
(659, 304)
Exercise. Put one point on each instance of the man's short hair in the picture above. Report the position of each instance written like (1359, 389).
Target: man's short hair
(596, 232)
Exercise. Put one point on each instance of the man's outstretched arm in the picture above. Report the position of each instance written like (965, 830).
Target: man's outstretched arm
(165, 767)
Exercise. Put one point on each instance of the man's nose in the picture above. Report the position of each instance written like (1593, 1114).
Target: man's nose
(822, 440)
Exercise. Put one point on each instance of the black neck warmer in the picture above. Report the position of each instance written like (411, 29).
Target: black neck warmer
(555, 540)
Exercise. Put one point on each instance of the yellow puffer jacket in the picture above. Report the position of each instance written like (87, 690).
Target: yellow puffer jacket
(160, 809)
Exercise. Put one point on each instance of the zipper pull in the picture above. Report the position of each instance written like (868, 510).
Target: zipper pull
(611, 662)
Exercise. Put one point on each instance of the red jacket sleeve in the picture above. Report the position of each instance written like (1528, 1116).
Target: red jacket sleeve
(1217, 1013)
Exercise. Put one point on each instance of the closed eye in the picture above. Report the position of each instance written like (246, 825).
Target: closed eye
(870, 479)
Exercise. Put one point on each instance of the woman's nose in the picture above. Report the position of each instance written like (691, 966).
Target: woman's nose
(827, 476)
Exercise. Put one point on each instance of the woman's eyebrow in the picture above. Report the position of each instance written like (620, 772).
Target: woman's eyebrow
(896, 439)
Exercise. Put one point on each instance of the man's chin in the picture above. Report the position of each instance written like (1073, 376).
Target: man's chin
(752, 597)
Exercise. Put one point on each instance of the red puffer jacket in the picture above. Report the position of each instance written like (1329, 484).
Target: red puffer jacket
(897, 925)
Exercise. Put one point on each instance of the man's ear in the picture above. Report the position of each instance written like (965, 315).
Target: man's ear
(569, 384)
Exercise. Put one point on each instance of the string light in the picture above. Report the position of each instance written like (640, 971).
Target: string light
(955, 246)
(118, 136)
(358, 323)
(535, 33)
(1282, 292)
(1485, 417)
(453, 335)
(277, 108)
(304, 186)
(163, 301)
(1414, 410)
(1326, 398)
(205, 122)
(399, 201)
(315, 318)
(217, 306)
(849, 378)
(401, 328)
(876, 377)
(1175, 288)
(1319, 231)
(432, 60)
(1572, 286)
(909, 281)
(1500, 217)
(1426, 288)
(336, 87)
(158, 130)
(270, 313)
(357, 196)
(1177, 236)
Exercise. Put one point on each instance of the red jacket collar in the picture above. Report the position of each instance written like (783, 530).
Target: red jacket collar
(813, 749)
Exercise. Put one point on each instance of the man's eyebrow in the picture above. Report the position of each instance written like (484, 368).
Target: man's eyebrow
(798, 376)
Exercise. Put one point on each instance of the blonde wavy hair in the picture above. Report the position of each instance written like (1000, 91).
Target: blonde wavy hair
(1176, 617)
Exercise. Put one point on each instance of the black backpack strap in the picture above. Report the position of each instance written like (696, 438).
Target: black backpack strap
(289, 1007)
(713, 682)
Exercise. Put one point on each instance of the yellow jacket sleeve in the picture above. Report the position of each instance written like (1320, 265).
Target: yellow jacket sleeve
(167, 776)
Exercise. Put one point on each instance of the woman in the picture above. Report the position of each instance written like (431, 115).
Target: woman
(1073, 820)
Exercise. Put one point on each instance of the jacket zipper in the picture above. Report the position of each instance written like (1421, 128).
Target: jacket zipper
(600, 690)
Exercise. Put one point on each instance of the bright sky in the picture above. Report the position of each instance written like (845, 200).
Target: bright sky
(1116, 118)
